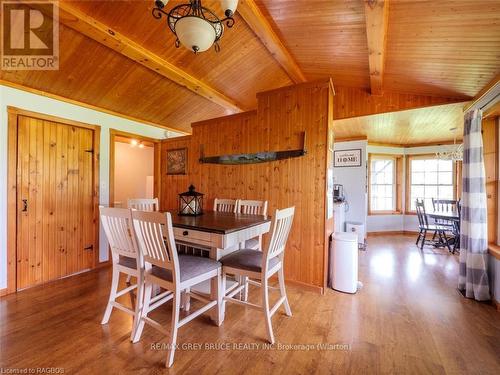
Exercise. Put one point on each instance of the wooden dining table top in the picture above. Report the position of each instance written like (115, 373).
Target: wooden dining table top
(444, 215)
(218, 222)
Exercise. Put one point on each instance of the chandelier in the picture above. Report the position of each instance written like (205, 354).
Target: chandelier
(197, 28)
(455, 154)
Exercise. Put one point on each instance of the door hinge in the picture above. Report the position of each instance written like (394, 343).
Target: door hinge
(91, 247)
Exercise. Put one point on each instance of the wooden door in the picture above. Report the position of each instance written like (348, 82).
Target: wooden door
(55, 220)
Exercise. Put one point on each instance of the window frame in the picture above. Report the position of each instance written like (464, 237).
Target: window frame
(397, 182)
(455, 171)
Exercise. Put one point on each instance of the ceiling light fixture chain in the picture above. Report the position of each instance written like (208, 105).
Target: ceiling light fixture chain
(196, 27)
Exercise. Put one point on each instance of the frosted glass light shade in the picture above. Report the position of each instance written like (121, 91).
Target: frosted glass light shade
(229, 5)
(195, 33)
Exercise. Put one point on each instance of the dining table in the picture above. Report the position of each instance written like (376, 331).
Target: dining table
(452, 216)
(219, 233)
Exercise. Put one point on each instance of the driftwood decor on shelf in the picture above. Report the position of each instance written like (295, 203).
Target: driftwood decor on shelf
(257, 157)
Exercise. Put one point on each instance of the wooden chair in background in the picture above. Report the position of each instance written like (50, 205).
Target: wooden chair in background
(144, 204)
(225, 205)
(445, 205)
(261, 265)
(252, 208)
(424, 227)
(117, 224)
(173, 272)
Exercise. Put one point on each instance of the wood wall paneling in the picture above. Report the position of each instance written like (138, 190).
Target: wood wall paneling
(281, 117)
(490, 148)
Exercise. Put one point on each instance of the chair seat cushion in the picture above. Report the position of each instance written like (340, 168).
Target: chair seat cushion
(247, 259)
(127, 262)
(190, 267)
(252, 243)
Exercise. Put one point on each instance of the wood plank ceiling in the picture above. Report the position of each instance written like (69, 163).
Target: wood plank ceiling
(446, 48)
(406, 128)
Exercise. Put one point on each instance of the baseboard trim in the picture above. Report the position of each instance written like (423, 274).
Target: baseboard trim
(392, 233)
(308, 287)
(106, 263)
(3, 292)
(301, 285)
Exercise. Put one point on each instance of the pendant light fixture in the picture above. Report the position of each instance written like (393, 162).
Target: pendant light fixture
(197, 28)
(456, 153)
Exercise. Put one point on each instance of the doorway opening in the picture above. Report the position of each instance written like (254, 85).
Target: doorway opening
(134, 168)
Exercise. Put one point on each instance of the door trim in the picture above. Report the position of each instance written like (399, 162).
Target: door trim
(113, 133)
(13, 113)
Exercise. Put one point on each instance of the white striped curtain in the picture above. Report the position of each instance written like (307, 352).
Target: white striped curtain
(473, 276)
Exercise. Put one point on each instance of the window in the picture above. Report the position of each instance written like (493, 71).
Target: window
(384, 185)
(430, 178)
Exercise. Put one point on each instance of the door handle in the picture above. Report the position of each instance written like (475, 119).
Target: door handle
(25, 205)
(91, 247)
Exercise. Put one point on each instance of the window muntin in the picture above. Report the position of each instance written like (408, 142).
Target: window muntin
(382, 184)
(430, 178)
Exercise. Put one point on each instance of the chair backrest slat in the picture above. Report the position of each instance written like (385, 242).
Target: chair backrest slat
(250, 207)
(422, 216)
(445, 205)
(225, 205)
(117, 224)
(144, 204)
(282, 223)
(155, 237)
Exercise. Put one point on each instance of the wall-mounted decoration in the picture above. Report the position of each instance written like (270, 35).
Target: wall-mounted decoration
(347, 158)
(177, 161)
(258, 157)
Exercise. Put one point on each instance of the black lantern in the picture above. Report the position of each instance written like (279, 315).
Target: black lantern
(191, 202)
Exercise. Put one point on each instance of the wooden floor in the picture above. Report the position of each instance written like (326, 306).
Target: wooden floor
(408, 318)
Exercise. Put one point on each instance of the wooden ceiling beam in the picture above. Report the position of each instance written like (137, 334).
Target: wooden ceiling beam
(376, 18)
(258, 23)
(92, 28)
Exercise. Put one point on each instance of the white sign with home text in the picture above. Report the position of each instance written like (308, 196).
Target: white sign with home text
(347, 158)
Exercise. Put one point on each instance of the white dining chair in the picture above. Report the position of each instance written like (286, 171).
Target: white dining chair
(225, 205)
(261, 265)
(144, 204)
(173, 272)
(251, 207)
(126, 259)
